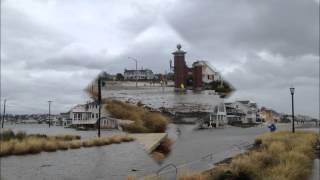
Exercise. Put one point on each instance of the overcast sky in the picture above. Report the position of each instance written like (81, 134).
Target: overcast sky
(51, 49)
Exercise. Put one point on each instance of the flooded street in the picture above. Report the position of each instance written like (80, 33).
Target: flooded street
(118, 160)
(157, 97)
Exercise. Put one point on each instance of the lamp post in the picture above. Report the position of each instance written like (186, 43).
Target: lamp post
(99, 101)
(49, 113)
(136, 69)
(292, 93)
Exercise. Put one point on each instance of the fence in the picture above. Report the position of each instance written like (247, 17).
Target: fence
(172, 171)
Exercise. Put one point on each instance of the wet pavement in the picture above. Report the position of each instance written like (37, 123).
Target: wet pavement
(118, 160)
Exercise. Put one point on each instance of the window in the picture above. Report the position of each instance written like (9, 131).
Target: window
(92, 116)
(97, 115)
(74, 116)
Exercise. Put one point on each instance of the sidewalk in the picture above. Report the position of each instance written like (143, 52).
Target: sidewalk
(316, 170)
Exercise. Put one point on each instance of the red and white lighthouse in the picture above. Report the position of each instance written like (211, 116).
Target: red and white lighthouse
(180, 68)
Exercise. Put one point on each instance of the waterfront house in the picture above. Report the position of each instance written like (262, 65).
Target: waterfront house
(142, 74)
(244, 111)
(87, 115)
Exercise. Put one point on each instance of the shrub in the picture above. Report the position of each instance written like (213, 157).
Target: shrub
(127, 138)
(106, 140)
(98, 141)
(88, 143)
(6, 148)
(155, 122)
(144, 121)
(7, 134)
(20, 135)
(76, 144)
(50, 146)
(115, 139)
(136, 127)
(165, 146)
(62, 145)
(35, 145)
(20, 148)
(67, 137)
(158, 156)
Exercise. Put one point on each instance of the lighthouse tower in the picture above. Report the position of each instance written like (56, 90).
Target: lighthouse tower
(180, 68)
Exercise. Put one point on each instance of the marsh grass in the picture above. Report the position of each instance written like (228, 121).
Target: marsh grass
(34, 144)
(277, 156)
(50, 146)
(144, 121)
(76, 144)
(63, 145)
(163, 150)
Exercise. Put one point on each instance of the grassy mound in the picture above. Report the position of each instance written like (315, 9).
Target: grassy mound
(280, 155)
(144, 121)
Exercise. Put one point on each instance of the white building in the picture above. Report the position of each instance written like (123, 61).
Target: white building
(86, 115)
(209, 74)
(244, 111)
(143, 74)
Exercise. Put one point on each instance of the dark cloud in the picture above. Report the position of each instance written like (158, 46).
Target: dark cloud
(52, 50)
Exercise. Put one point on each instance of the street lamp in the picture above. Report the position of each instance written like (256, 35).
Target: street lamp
(292, 93)
(136, 69)
(49, 113)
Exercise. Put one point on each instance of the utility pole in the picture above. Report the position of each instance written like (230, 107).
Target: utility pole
(99, 101)
(49, 113)
(4, 112)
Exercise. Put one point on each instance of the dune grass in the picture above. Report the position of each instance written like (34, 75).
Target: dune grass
(276, 156)
(34, 144)
(8, 134)
(163, 150)
(144, 121)
(76, 144)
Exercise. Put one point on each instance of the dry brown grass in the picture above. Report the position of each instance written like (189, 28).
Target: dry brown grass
(67, 137)
(20, 148)
(50, 146)
(280, 156)
(88, 143)
(162, 150)
(158, 156)
(76, 144)
(6, 148)
(116, 139)
(63, 145)
(144, 121)
(34, 144)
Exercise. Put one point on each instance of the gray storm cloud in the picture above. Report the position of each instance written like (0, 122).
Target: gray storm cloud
(53, 49)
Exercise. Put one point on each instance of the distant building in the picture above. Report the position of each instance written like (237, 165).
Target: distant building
(269, 115)
(200, 76)
(86, 115)
(66, 120)
(244, 111)
(143, 74)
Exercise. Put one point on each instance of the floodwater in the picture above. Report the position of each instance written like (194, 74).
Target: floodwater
(157, 97)
(117, 161)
